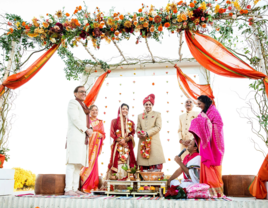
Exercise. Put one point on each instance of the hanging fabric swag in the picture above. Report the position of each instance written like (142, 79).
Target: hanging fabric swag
(14, 81)
(212, 55)
(190, 88)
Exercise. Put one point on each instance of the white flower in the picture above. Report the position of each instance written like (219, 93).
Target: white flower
(88, 37)
(234, 16)
(42, 17)
(154, 13)
(85, 22)
(209, 12)
(50, 21)
(53, 40)
(137, 30)
(174, 21)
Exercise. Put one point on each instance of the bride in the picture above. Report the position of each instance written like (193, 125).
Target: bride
(122, 133)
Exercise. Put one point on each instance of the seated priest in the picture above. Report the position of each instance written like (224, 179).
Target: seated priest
(190, 167)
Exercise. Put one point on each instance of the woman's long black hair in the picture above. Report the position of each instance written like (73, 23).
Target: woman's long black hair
(124, 104)
(206, 100)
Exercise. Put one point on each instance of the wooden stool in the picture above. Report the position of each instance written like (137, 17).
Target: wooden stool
(53, 184)
(50, 184)
(237, 185)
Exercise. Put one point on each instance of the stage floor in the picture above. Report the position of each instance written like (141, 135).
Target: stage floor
(123, 202)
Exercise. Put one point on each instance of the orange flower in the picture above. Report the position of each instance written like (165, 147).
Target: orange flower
(44, 43)
(75, 11)
(228, 2)
(168, 159)
(145, 24)
(45, 24)
(9, 23)
(116, 32)
(230, 14)
(151, 19)
(241, 11)
(192, 5)
(116, 19)
(180, 2)
(140, 10)
(112, 29)
(115, 14)
(113, 38)
(141, 18)
(195, 1)
(27, 27)
(245, 11)
(152, 29)
(135, 23)
(101, 26)
(160, 28)
(121, 17)
(47, 14)
(79, 8)
(221, 10)
(204, 25)
(167, 24)
(218, 29)
(183, 17)
(157, 19)
(11, 30)
(67, 14)
(116, 38)
(23, 24)
(175, 11)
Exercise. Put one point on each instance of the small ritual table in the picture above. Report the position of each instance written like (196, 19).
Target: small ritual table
(116, 182)
(162, 184)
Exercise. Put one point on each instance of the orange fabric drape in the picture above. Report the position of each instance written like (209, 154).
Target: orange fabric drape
(190, 88)
(212, 55)
(257, 187)
(16, 80)
(93, 94)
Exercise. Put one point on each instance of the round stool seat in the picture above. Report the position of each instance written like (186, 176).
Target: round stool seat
(237, 185)
(50, 184)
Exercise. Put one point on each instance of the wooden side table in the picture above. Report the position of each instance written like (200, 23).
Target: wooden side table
(162, 184)
(115, 182)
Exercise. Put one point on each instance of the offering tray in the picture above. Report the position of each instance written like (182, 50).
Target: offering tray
(122, 191)
(145, 191)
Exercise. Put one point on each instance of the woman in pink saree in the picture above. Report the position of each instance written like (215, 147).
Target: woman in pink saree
(90, 175)
(208, 131)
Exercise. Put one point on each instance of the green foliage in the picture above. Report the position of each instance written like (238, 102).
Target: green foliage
(75, 67)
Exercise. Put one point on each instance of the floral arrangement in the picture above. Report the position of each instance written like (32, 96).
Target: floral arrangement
(69, 29)
(145, 146)
(176, 192)
(24, 179)
(122, 149)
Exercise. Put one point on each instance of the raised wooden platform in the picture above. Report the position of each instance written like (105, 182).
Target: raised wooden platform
(111, 202)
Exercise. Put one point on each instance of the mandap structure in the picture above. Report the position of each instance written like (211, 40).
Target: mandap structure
(212, 31)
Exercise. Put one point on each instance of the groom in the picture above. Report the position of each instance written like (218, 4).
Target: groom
(151, 155)
(77, 141)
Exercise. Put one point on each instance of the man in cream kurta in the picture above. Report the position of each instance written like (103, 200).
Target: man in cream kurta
(76, 154)
(150, 123)
(185, 121)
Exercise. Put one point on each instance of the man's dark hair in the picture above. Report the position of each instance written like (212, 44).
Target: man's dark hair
(77, 88)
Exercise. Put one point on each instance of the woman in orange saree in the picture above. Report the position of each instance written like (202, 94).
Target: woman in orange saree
(90, 175)
(207, 129)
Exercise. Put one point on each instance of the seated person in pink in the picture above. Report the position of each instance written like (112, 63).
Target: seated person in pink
(190, 167)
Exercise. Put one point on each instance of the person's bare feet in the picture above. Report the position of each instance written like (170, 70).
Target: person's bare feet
(80, 193)
(71, 193)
